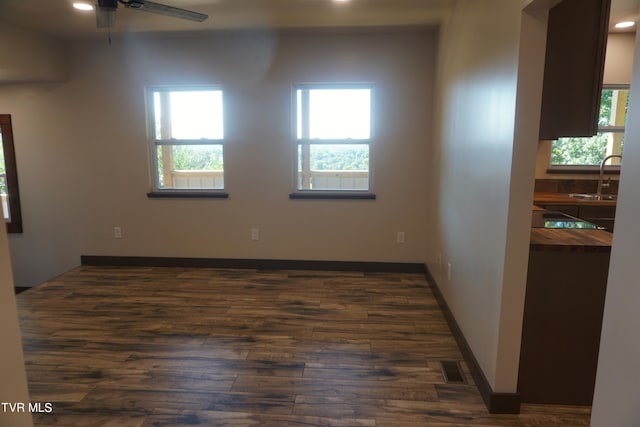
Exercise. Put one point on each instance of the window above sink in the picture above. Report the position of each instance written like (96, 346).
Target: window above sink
(576, 154)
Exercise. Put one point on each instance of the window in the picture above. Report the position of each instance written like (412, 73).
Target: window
(187, 138)
(9, 195)
(333, 138)
(585, 152)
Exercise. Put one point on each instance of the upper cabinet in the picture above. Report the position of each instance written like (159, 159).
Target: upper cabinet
(574, 66)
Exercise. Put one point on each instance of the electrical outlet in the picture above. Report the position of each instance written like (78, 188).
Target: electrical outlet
(255, 234)
(448, 271)
(117, 232)
(400, 237)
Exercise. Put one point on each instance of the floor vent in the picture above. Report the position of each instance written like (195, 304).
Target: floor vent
(451, 372)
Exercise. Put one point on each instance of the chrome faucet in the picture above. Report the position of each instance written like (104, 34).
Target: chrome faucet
(600, 183)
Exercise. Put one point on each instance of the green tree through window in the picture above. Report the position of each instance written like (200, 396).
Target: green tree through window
(573, 151)
(187, 138)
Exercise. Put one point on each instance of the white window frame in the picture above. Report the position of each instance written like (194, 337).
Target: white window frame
(154, 143)
(578, 168)
(305, 140)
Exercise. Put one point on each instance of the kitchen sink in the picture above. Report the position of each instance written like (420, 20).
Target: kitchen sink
(592, 196)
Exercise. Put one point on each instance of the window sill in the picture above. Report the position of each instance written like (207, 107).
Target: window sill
(586, 170)
(14, 227)
(322, 195)
(187, 195)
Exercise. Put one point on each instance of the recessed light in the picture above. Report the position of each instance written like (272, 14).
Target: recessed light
(83, 6)
(625, 24)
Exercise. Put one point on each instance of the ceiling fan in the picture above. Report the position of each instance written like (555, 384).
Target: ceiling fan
(105, 12)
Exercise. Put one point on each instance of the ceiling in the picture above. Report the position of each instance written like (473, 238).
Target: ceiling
(624, 10)
(56, 18)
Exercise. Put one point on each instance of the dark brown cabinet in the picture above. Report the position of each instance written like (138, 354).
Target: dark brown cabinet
(574, 67)
(604, 216)
(561, 329)
(573, 210)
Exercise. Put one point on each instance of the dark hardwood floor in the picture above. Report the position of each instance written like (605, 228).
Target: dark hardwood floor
(142, 347)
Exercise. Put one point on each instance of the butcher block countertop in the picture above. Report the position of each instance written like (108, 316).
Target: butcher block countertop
(570, 240)
(564, 199)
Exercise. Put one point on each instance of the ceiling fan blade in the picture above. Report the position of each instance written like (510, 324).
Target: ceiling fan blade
(163, 9)
(105, 18)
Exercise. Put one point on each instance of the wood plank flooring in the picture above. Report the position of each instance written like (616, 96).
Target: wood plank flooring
(149, 347)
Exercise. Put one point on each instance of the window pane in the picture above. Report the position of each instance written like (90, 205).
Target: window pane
(190, 166)
(333, 167)
(185, 123)
(613, 107)
(299, 113)
(188, 115)
(4, 198)
(340, 113)
(614, 103)
(586, 151)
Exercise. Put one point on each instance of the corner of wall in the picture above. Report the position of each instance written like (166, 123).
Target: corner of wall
(31, 57)
(13, 378)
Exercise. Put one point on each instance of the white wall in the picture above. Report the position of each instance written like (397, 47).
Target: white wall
(83, 159)
(13, 379)
(27, 56)
(617, 389)
(619, 58)
(483, 181)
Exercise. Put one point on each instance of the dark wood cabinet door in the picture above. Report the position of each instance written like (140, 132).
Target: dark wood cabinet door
(574, 67)
(604, 216)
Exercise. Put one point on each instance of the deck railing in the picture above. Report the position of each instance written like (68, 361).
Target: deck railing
(324, 180)
(197, 179)
(334, 180)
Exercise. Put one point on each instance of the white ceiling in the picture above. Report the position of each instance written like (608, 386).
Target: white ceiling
(624, 10)
(56, 18)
